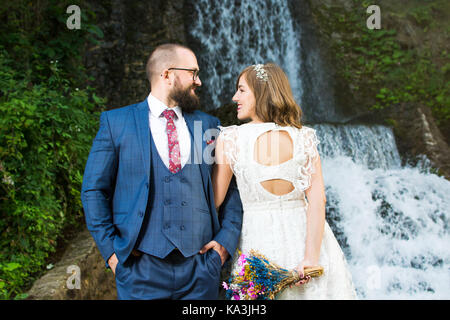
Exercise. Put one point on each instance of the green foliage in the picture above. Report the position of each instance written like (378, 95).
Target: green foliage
(381, 70)
(49, 118)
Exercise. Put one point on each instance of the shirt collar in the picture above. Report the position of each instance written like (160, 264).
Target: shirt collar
(157, 107)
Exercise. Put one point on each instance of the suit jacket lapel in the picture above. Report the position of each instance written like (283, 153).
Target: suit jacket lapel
(141, 115)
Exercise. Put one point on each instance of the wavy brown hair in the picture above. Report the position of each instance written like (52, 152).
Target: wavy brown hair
(274, 99)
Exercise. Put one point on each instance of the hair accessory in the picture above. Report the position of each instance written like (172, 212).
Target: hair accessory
(261, 73)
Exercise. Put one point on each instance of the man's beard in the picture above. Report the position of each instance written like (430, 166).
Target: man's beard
(187, 101)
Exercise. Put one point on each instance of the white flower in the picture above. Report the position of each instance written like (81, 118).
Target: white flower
(261, 73)
(8, 180)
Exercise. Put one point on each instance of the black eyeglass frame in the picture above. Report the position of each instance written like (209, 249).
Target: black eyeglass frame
(195, 72)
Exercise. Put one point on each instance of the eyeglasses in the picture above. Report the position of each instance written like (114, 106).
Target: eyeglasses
(195, 72)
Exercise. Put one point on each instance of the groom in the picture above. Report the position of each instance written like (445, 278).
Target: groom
(147, 192)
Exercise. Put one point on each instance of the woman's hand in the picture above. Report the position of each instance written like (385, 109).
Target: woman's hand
(301, 270)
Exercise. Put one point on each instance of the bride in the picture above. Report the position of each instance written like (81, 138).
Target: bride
(278, 172)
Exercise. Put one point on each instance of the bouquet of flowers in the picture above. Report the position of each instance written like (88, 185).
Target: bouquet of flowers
(260, 279)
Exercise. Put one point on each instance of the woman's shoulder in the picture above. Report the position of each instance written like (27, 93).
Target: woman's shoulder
(242, 129)
(308, 135)
(256, 127)
(227, 129)
(305, 130)
(228, 133)
(223, 128)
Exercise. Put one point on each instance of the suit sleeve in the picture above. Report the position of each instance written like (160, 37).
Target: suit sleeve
(98, 188)
(230, 217)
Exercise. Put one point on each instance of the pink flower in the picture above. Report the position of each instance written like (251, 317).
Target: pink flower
(252, 292)
(225, 285)
(242, 259)
(236, 297)
(242, 272)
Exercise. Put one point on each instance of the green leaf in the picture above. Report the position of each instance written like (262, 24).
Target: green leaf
(397, 54)
(96, 31)
(21, 296)
(11, 266)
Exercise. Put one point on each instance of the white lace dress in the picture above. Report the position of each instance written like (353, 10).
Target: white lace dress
(276, 225)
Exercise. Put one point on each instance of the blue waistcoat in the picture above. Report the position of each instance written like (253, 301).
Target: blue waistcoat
(178, 214)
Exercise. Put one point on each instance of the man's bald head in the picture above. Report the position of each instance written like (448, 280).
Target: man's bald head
(163, 57)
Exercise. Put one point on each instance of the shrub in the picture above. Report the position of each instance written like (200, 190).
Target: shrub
(48, 119)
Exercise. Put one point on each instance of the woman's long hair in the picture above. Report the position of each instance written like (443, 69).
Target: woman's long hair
(274, 99)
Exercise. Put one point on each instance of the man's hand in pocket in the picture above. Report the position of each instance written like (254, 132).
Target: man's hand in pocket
(112, 262)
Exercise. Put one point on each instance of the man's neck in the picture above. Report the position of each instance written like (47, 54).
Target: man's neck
(164, 98)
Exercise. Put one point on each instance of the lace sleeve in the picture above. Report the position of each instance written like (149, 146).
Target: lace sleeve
(306, 155)
(228, 135)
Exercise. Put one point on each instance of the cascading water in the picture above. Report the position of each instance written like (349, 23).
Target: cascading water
(373, 146)
(392, 221)
(233, 34)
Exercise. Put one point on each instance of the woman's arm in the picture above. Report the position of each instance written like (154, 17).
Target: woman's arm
(315, 218)
(222, 174)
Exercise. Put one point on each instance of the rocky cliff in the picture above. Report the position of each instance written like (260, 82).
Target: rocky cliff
(397, 75)
(132, 29)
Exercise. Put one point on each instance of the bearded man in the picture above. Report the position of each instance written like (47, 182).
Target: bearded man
(148, 200)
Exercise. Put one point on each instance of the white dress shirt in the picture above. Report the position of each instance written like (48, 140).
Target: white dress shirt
(158, 129)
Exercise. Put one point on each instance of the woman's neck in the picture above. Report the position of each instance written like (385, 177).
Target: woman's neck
(256, 120)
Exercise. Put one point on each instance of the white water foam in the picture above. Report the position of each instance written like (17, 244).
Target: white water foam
(393, 225)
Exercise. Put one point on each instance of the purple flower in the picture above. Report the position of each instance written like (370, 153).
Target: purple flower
(225, 285)
(236, 297)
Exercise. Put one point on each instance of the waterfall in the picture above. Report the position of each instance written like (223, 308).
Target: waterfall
(392, 221)
(233, 34)
(373, 146)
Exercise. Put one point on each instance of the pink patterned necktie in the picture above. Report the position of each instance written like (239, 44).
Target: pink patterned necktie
(172, 137)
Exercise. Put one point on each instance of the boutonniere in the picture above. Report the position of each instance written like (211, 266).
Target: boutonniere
(208, 142)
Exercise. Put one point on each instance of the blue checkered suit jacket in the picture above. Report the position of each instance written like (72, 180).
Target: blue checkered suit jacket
(117, 175)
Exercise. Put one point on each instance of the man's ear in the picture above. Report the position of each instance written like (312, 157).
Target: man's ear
(165, 75)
